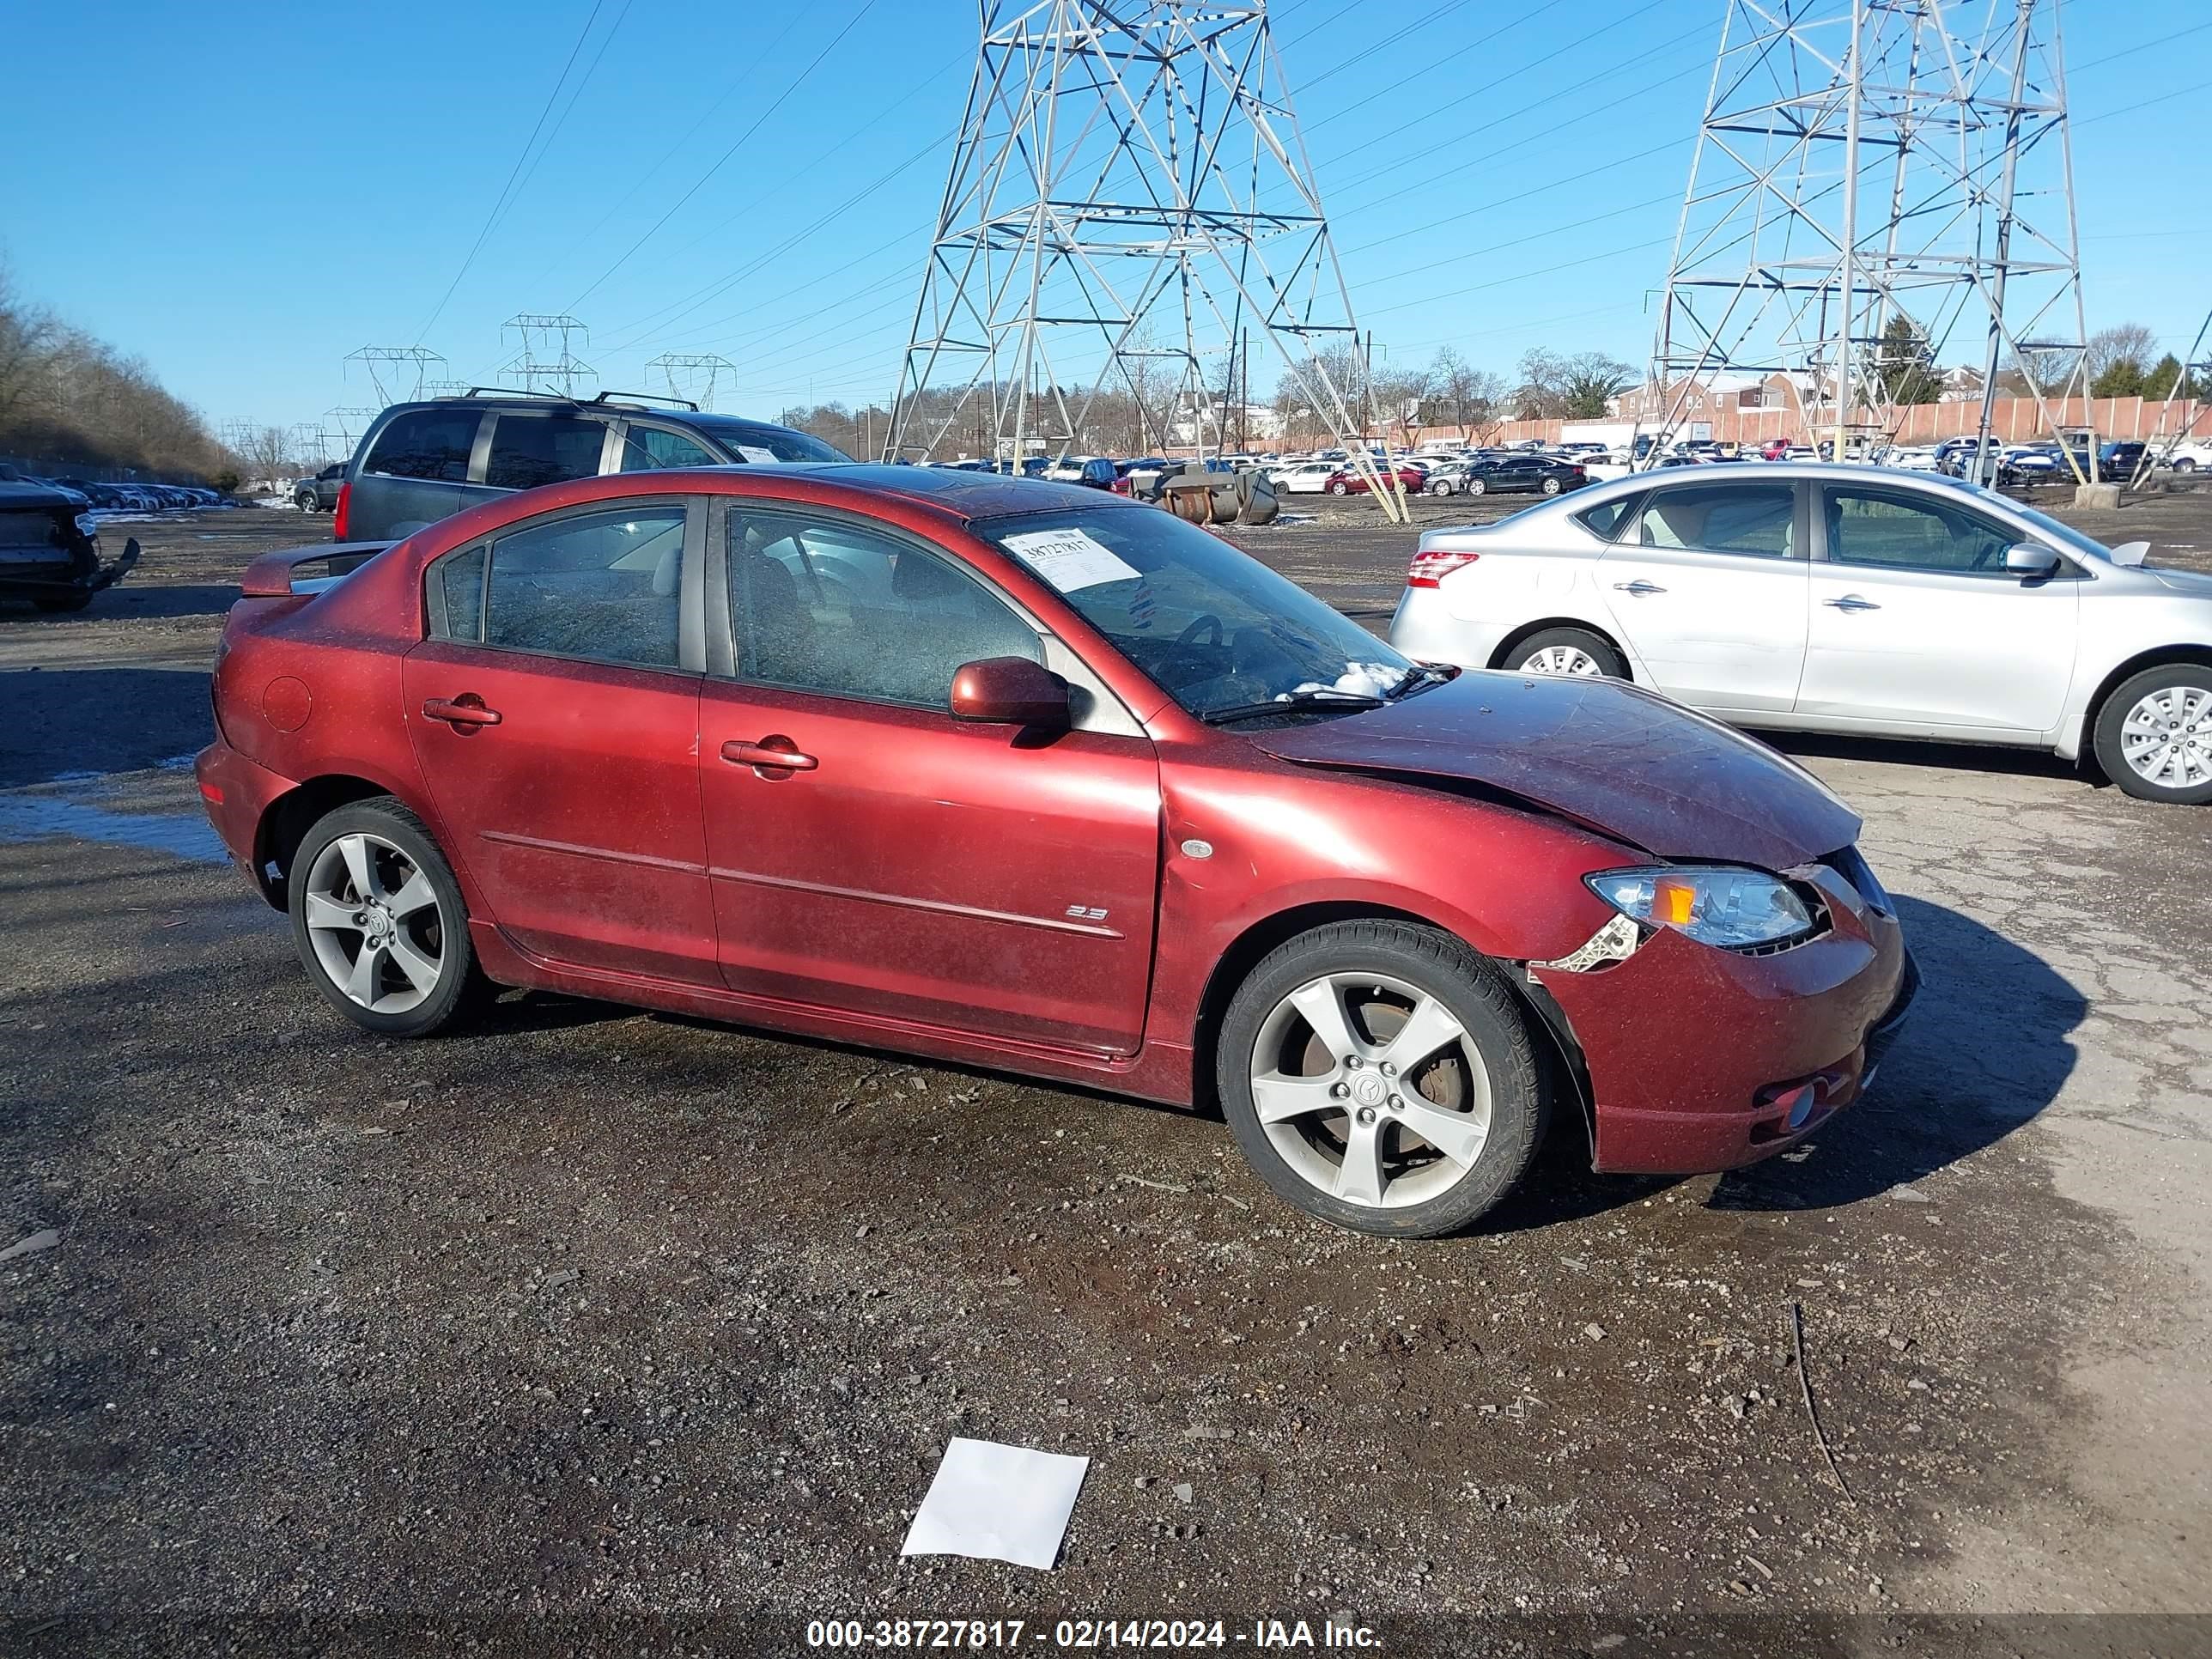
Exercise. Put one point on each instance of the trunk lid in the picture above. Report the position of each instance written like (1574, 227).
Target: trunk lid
(1619, 759)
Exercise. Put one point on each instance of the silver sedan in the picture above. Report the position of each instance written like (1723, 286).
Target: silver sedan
(1840, 598)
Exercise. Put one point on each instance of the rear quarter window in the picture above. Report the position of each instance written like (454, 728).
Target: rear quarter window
(530, 450)
(1604, 519)
(427, 443)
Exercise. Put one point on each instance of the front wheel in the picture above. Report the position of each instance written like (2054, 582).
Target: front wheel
(2153, 735)
(1381, 1076)
(1475, 486)
(379, 921)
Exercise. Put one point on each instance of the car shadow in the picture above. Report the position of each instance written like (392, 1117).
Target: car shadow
(1987, 1047)
(1951, 757)
(134, 603)
(78, 721)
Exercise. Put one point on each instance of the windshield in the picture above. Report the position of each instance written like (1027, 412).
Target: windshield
(1211, 626)
(772, 443)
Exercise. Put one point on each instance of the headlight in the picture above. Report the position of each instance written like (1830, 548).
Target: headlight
(1714, 904)
(87, 526)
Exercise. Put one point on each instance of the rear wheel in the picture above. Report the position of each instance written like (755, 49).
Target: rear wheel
(1381, 1076)
(1340, 488)
(1551, 486)
(1440, 487)
(1569, 651)
(2153, 735)
(378, 921)
(2187, 464)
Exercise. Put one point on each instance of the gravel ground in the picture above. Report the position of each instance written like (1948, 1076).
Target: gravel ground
(592, 1330)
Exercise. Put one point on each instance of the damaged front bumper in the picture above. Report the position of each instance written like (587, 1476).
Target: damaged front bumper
(1702, 1059)
(36, 573)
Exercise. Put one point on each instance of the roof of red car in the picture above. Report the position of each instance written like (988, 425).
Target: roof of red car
(970, 494)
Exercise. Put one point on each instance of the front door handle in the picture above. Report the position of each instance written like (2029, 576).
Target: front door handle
(1851, 602)
(1638, 586)
(779, 753)
(466, 710)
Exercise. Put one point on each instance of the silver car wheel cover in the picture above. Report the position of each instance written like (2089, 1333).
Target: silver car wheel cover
(374, 923)
(1377, 1113)
(1561, 660)
(2166, 738)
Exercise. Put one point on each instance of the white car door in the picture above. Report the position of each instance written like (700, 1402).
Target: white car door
(1706, 582)
(1917, 626)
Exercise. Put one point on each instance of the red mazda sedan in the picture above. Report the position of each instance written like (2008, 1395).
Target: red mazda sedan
(1025, 775)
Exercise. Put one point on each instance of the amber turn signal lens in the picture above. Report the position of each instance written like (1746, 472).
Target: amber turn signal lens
(1673, 901)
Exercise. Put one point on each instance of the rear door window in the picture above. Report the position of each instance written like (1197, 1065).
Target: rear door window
(427, 443)
(1761, 519)
(530, 450)
(602, 584)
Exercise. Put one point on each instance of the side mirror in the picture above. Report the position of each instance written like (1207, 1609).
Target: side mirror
(2028, 559)
(1010, 691)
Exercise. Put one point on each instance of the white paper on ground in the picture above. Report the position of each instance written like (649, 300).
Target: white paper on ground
(757, 455)
(1069, 559)
(997, 1504)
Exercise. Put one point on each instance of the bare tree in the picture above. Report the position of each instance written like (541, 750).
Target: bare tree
(2129, 343)
(267, 453)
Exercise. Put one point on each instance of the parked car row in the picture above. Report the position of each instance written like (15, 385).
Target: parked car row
(89, 494)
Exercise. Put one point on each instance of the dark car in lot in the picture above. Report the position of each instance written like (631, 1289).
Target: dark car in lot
(1022, 775)
(320, 493)
(50, 547)
(1524, 473)
(422, 462)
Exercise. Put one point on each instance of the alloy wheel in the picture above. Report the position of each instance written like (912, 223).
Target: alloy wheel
(2166, 738)
(1561, 660)
(1370, 1089)
(375, 923)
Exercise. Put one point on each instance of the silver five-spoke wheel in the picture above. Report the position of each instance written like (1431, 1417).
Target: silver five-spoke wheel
(375, 924)
(1370, 1089)
(1561, 660)
(2166, 737)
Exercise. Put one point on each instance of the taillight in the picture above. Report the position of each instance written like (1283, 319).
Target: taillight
(1430, 568)
(344, 511)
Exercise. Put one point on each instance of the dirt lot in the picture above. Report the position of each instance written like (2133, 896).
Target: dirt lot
(592, 1330)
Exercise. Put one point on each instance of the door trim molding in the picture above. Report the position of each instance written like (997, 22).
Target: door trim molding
(1051, 924)
(537, 843)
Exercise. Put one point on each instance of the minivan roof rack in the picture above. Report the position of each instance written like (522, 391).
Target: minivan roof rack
(510, 392)
(646, 397)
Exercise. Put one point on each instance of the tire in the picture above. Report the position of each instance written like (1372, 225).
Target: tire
(2187, 464)
(433, 930)
(1440, 486)
(1340, 488)
(1475, 486)
(1562, 646)
(2162, 717)
(60, 603)
(1551, 486)
(306, 501)
(1482, 1088)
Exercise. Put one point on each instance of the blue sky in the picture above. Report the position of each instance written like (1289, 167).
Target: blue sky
(244, 199)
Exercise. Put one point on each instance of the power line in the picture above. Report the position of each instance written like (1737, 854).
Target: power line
(513, 172)
(837, 40)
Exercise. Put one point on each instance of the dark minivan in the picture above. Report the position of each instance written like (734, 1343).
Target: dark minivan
(422, 462)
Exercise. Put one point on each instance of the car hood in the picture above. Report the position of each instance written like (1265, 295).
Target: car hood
(2195, 583)
(1617, 758)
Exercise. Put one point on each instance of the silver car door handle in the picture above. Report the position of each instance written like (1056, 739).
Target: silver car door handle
(1639, 586)
(1851, 602)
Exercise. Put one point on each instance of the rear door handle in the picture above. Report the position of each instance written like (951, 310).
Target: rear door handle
(1851, 602)
(467, 709)
(1639, 586)
(778, 752)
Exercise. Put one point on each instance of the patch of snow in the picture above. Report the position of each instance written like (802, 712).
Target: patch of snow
(1359, 679)
(284, 502)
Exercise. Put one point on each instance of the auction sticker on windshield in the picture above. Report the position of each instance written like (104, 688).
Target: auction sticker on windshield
(1069, 559)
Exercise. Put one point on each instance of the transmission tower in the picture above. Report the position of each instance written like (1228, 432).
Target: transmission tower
(345, 425)
(1129, 196)
(396, 372)
(546, 361)
(701, 373)
(1865, 162)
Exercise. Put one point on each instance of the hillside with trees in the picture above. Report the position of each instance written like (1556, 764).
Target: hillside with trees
(69, 401)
